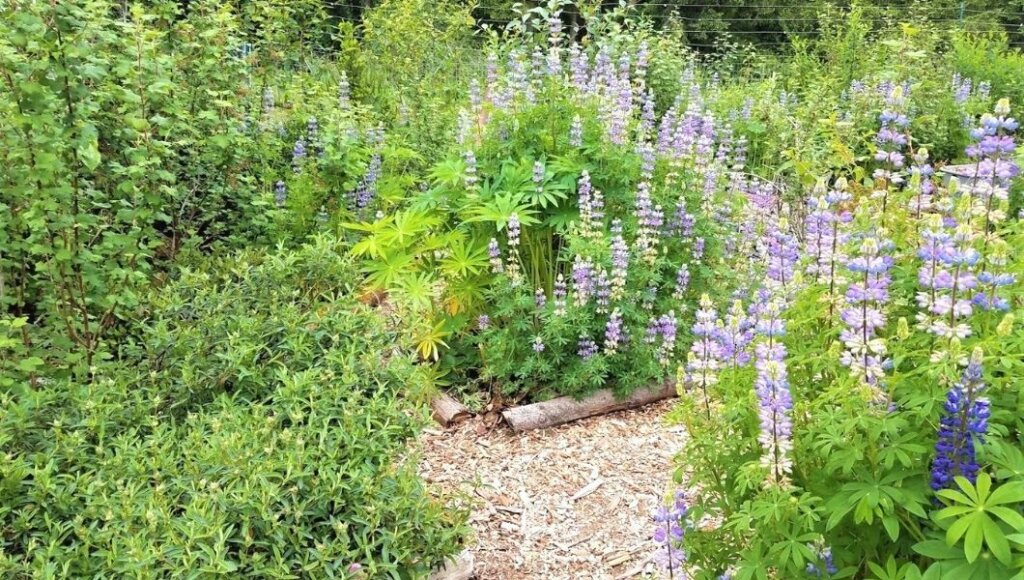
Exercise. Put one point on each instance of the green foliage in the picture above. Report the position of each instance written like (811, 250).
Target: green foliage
(261, 434)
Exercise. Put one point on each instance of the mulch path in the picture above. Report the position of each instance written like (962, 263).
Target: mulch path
(572, 501)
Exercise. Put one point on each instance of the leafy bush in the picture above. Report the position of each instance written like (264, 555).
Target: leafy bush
(261, 433)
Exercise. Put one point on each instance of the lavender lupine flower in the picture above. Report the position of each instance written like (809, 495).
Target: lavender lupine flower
(559, 294)
(961, 88)
(994, 169)
(962, 427)
(668, 536)
(586, 347)
(463, 127)
(703, 361)
(514, 230)
(698, 249)
(344, 93)
(470, 173)
(582, 281)
(647, 115)
(579, 66)
(865, 315)
(682, 281)
(280, 193)
(613, 332)
(298, 155)
(540, 299)
(576, 132)
(946, 279)
(772, 388)
(538, 344)
(667, 327)
(735, 335)
(890, 141)
(483, 322)
(647, 219)
(682, 221)
(984, 88)
(268, 100)
(647, 160)
(620, 261)
(475, 98)
(538, 175)
(494, 251)
(491, 75)
(603, 292)
(921, 176)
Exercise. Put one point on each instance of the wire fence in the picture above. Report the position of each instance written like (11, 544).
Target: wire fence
(969, 19)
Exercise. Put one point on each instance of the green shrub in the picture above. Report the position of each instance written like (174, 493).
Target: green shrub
(260, 434)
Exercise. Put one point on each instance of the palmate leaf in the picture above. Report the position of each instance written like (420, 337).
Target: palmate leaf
(386, 271)
(416, 291)
(465, 259)
(501, 208)
(428, 343)
(972, 509)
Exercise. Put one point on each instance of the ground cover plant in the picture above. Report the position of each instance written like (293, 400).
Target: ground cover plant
(241, 244)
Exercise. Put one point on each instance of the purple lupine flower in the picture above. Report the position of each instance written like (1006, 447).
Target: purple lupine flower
(668, 536)
(647, 219)
(559, 294)
(603, 292)
(682, 221)
(735, 335)
(865, 314)
(825, 560)
(344, 93)
(483, 322)
(962, 427)
(824, 236)
(646, 151)
(366, 191)
(582, 280)
(946, 279)
(772, 388)
(698, 249)
(782, 257)
(667, 328)
(890, 141)
(613, 332)
(682, 281)
(494, 251)
(586, 347)
(539, 298)
(298, 155)
(703, 362)
(268, 100)
(576, 132)
(280, 193)
(470, 174)
(538, 344)
(990, 281)
(620, 261)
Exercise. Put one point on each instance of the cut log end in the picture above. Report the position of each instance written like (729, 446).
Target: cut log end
(566, 409)
(447, 411)
(461, 568)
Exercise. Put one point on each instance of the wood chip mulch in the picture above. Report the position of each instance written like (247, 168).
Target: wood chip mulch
(572, 501)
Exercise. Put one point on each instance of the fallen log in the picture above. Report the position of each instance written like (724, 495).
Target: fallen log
(566, 409)
(447, 411)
